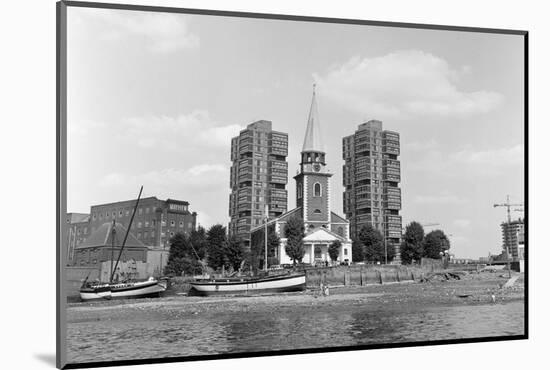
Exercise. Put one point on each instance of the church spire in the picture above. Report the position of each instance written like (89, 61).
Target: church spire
(313, 139)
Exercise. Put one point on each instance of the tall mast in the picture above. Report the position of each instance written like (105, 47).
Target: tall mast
(126, 236)
(265, 237)
(112, 246)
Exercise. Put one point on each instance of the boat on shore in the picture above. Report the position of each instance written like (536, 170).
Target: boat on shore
(137, 289)
(269, 284)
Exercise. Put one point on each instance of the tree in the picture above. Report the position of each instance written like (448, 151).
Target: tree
(182, 259)
(233, 252)
(357, 252)
(197, 239)
(178, 251)
(294, 233)
(373, 244)
(412, 245)
(216, 240)
(177, 266)
(435, 242)
(334, 250)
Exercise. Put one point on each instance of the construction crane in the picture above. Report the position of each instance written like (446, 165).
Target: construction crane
(507, 205)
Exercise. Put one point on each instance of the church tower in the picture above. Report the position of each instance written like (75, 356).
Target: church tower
(313, 179)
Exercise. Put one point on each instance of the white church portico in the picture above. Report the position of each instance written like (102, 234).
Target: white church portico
(313, 197)
(316, 245)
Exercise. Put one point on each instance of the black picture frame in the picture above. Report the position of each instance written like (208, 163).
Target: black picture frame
(61, 168)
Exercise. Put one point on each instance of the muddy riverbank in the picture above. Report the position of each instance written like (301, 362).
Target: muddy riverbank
(474, 306)
(470, 289)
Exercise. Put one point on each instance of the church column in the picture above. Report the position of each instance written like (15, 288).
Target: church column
(312, 258)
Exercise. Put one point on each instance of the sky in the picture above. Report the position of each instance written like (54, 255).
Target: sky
(154, 99)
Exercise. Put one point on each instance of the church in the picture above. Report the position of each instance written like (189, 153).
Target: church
(313, 204)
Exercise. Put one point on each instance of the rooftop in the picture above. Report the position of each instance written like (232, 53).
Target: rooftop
(103, 236)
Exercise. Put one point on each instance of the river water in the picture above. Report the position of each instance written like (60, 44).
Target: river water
(323, 327)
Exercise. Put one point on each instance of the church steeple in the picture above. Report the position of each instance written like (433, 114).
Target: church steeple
(313, 150)
(312, 181)
(313, 141)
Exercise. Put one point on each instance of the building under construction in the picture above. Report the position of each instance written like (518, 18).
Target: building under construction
(513, 239)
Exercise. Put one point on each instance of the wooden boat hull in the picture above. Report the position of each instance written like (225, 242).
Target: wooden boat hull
(141, 289)
(290, 283)
(95, 292)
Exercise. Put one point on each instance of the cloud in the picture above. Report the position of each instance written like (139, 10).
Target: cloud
(202, 175)
(420, 146)
(160, 32)
(403, 84)
(461, 223)
(183, 133)
(496, 157)
(464, 161)
(438, 199)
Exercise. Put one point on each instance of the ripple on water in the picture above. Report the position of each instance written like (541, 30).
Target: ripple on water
(212, 333)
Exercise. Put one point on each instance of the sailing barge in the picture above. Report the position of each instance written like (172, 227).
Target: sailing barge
(270, 284)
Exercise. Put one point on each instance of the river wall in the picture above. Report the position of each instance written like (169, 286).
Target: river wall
(361, 275)
(357, 275)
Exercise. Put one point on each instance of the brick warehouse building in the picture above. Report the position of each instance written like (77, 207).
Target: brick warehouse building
(154, 223)
(259, 174)
(155, 220)
(372, 172)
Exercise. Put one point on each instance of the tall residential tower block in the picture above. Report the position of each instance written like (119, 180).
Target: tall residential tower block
(259, 175)
(371, 177)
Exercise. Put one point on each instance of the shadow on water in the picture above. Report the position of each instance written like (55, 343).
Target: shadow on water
(47, 358)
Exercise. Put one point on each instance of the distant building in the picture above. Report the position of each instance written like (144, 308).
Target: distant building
(513, 239)
(102, 249)
(77, 232)
(313, 204)
(521, 247)
(371, 177)
(259, 175)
